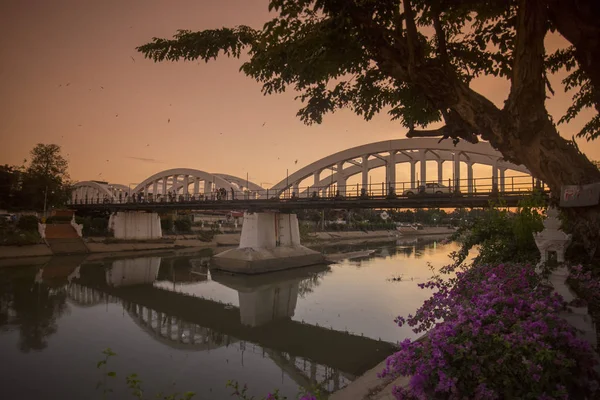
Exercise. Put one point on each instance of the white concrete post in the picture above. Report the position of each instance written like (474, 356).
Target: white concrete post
(164, 185)
(391, 170)
(495, 176)
(186, 183)
(365, 172)
(423, 164)
(457, 172)
(316, 179)
(207, 188)
(470, 177)
(413, 174)
(174, 183)
(196, 185)
(341, 178)
(154, 189)
(440, 164)
(502, 180)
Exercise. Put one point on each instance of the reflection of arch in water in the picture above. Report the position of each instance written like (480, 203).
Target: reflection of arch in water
(83, 296)
(174, 332)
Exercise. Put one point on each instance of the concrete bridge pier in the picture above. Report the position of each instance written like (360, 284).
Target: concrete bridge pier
(135, 225)
(270, 241)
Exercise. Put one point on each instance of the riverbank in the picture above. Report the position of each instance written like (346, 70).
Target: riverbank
(317, 239)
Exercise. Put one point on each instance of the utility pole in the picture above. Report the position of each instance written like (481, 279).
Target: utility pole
(45, 199)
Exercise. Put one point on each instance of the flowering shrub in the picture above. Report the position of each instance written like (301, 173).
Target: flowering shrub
(241, 392)
(586, 284)
(501, 337)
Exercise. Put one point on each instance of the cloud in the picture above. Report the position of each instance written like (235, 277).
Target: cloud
(148, 160)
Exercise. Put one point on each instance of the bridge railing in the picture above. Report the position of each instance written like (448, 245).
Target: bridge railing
(466, 187)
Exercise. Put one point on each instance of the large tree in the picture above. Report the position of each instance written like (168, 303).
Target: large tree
(46, 178)
(416, 59)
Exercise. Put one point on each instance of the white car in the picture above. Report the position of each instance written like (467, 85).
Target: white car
(430, 188)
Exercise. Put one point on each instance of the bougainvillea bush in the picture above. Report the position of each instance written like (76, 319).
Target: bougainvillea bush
(501, 338)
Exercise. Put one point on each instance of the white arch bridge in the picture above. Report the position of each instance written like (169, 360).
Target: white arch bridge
(329, 177)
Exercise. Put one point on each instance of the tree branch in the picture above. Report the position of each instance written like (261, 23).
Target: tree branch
(455, 128)
(411, 36)
(440, 34)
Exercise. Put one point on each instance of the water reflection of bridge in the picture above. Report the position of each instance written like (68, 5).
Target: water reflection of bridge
(308, 354)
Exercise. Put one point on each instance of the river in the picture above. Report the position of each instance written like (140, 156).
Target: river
(182, 327)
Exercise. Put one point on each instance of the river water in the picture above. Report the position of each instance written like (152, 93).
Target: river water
(182, 327)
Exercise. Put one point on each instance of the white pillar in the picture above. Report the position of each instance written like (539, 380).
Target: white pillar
(316, 179)
(207, 187)
(413, 174)
(502, 183)
(391, 170)
(341, 179)
(136, 225)
(440, 164)
(423, 163)
(154, 189)
(274, 241)
(470, 177)
(186, 183)
(174, 183)
(365, 172)
(457, 172)
(164, 185)
(495, 176)
(196, 186)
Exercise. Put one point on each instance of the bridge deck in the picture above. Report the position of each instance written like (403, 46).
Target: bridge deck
(510, 199)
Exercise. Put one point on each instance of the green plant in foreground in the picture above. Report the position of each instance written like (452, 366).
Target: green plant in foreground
(134, 383)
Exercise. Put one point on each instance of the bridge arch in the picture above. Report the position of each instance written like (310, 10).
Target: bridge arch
(389, 153)
(91, 190)
(179, 180)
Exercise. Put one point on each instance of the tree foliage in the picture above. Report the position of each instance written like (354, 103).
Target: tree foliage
(46, 176)
(338, 54)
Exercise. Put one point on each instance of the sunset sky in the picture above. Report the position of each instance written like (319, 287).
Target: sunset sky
(70, 75)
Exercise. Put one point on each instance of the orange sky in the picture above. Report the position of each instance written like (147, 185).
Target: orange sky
(112, 118)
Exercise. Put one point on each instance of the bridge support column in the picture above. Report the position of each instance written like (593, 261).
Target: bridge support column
(270, 242)
(207, 188)
(457, 172)
(413, 173)
(365, 173)
(135, 225)
(391, 170)
(423, 165)
(502, 179)
(341, 179)
(470, 177)
(196, 186)
(440, 164)
(495, 177)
